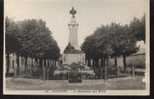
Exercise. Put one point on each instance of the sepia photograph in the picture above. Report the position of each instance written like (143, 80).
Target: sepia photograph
(76, 47)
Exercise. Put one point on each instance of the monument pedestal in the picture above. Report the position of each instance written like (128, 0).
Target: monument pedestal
(72, 55)
(74, 77)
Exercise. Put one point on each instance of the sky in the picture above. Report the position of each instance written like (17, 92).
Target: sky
(91, 14)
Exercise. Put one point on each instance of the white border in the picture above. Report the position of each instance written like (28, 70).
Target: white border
(107, 92)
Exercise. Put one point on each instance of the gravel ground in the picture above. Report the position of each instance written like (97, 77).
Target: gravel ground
(127, 83)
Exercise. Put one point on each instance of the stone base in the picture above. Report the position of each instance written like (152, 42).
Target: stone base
(74, 77)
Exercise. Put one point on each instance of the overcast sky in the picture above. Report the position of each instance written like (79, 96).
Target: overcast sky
(90, 14)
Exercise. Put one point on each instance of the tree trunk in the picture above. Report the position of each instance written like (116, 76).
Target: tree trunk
(115, 61)
(52, 70)
(18, 68)
(124, 62)
(116, 65)
(88, 62)
(133, 70)
(43, 70)
(97, 68)
(25, 65)
(102, 67)
(55, 62)
(93, 65)
(106, 68)
(7, 64)
(96, 62)
(48, 74)
(47, 70)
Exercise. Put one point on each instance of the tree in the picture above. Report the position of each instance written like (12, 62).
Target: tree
(34, 37)
(127, 44)
(12, 44)
(37, 42)
(97, 46)
(112, 40)
(53, 52)
(137, 26)
(116, 32)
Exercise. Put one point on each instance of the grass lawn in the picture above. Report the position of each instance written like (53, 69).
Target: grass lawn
(127, 83)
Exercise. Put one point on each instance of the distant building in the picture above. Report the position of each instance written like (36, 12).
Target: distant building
(141, 46)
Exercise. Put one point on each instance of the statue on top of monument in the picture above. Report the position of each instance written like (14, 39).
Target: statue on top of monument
(73, 12)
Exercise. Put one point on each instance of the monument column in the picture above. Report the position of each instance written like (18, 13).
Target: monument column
(73, 29)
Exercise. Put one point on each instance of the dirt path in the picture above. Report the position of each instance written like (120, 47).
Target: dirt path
(111, 84)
